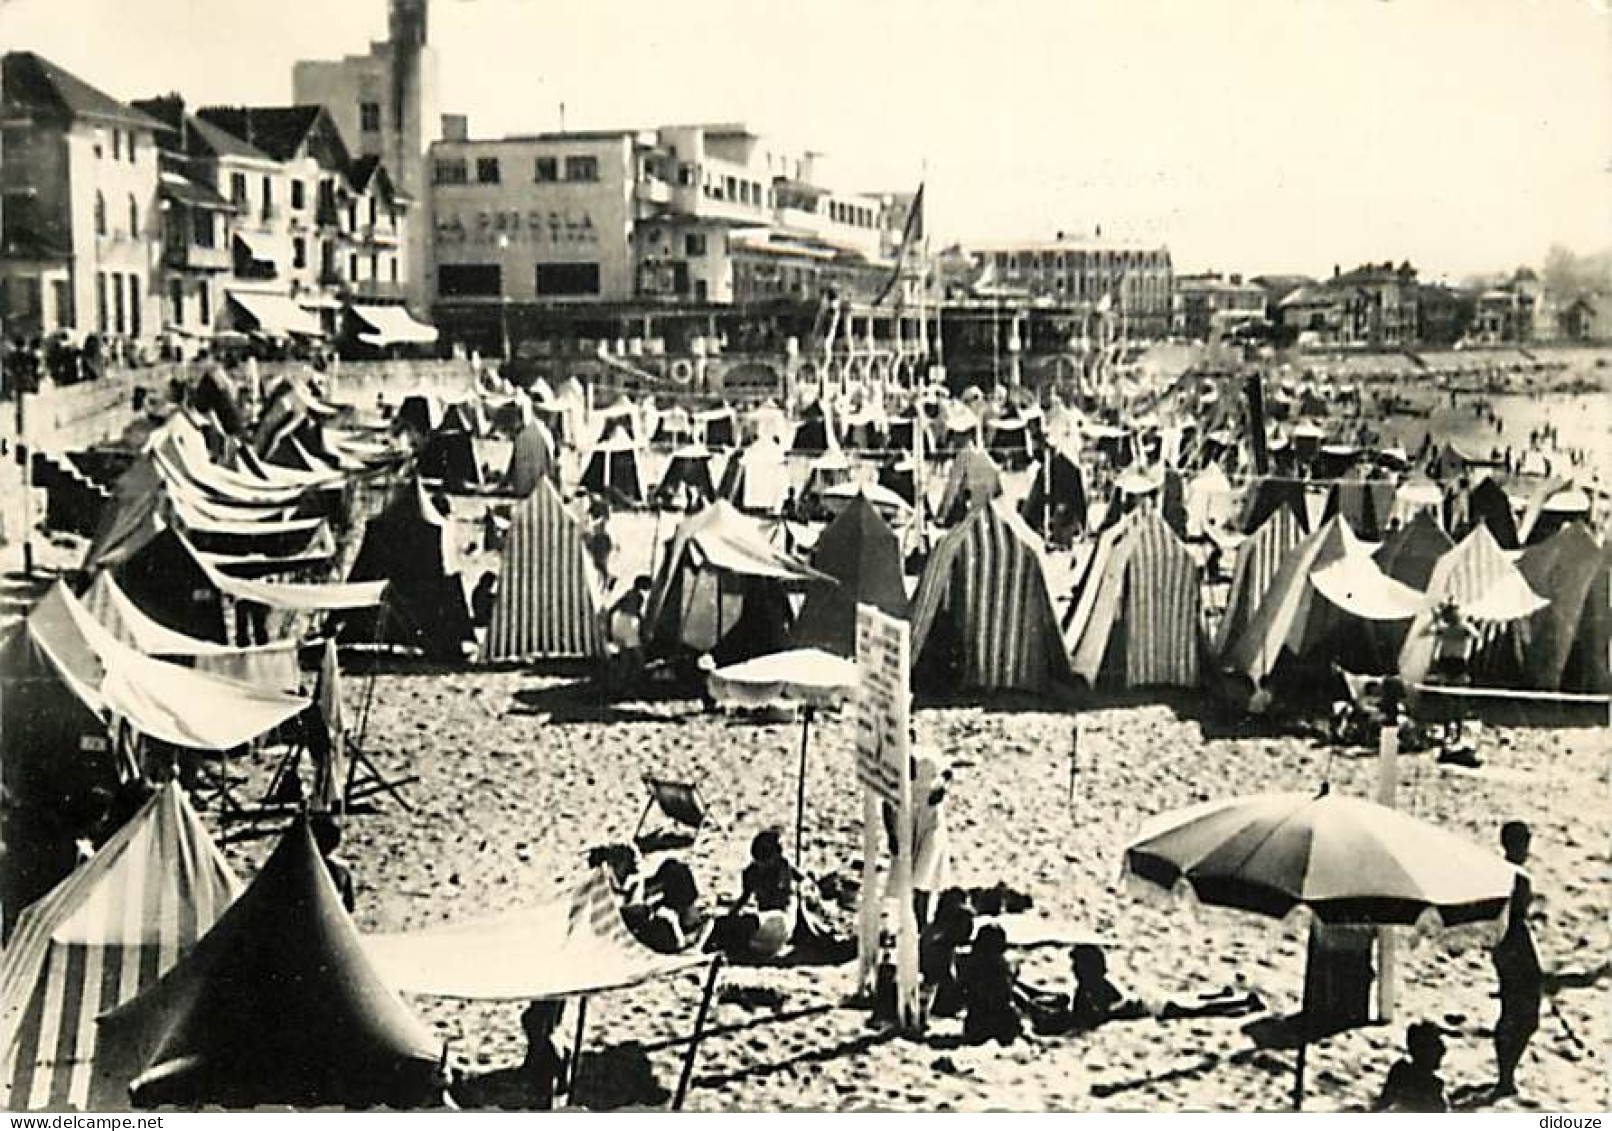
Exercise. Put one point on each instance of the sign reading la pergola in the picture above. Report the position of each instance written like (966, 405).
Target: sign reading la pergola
(536, 225)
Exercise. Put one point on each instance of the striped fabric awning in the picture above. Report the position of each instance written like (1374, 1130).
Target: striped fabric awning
(549, 603)
(986, 576)
(1142, 589)
(98, 939)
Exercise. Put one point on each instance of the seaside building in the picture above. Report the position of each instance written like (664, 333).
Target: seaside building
(384, 105)
(1132, 281)
(1373, 306)
(78, 207)
(1207, 305)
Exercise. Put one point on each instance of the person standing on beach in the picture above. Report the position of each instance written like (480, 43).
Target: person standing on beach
(1516, 963)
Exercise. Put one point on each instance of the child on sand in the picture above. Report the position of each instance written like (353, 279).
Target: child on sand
(988, 980)
(1414, 1085)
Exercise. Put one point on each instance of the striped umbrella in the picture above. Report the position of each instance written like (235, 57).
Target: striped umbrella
(99, 938)
(1347, 860)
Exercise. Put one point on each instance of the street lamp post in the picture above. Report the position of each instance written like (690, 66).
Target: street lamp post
(503, 298)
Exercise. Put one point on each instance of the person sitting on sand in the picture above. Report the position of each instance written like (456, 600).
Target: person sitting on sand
(547, 1066)
(1414, 1085)
(1095, 999)
(988, 981)
(326, 832)
(621, 860)
(670, 917)
(767, 886)
(940, 952)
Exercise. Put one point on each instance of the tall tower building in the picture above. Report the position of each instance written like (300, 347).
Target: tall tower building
(385, 105)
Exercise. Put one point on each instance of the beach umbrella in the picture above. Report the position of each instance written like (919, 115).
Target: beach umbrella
(809, 677)
(1348, 860)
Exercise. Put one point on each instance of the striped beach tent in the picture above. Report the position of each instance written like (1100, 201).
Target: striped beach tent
(1135, 621)
(533, 456)
(982, 619)
(549, 603)
(100, 937)
(1258, 559)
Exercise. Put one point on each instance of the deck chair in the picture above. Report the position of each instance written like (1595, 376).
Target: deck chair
(681, 804)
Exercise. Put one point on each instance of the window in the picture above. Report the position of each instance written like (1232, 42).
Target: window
(694, 244)
(582, 168)
(372, 211)
(475, 279)
(487, 170)
(134, 305)
(375, 266)
(237, 189)
(730, 188)
(134, 218)
(62, 291)
(201, 227)
(100, 301)
(131, 149)
(117, 145)
(546, 169)
(451, 171)
(299, 252)
(352, 215)
(117, 303)
(369, 117)
(299, 195)
(268, 198)
(100, 213)
(204, 300)
(352, 267)
(567, 278)
(392, 267)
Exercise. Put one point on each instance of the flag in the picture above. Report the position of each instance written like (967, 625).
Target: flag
(911, 233)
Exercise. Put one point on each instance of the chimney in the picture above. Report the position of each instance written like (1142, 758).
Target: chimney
(1336, 271)
(1236, 280)
(455, 127)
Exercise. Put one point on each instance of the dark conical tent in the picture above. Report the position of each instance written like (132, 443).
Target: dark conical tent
(1566, 645)
(277, 1004)
(1265, 495)
(549, 602)
(409, 545)
(689, 467)
(860, 551)
(1134, 622)
(1367, 505)
(974, 480)
(982, 619)
(722, 589)
(1057, 494)
(815, 433)
(1485, 503)
(531, 458)
(613, 468)
(450, 457)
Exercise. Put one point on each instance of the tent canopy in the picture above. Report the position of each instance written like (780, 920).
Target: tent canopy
(392, 325)
(273, 314)
(860, 551)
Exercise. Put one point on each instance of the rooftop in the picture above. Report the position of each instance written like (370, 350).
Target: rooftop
(33, 82)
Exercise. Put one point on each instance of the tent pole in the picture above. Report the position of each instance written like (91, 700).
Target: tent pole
(800, 791)
(687, 1076)
(1298, 1074)
(576, 1047)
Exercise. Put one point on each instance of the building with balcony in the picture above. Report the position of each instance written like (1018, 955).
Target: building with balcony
(1203, 307)
(384, 105)
(79, 236)
(691, 218)
(1506, 313)
(1130, 282)
(1373, 306)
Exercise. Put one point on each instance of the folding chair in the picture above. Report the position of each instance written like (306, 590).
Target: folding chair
(681, 803)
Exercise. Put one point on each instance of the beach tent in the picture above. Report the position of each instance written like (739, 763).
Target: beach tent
(830, 469)
(409, 546)
(767, 422)
(1566, 645)
(276, 1004)
(1317, 607)
(690, 467)
(898, 476)
(959, 428)
(859, 551)
(1488, 589)
(973, 481)
(982, 619)
(1259, 557)
(549, 599)
(675, 427)
(420, 413)
(715, 427)
(571, 943)
(100, 937)
(863, 428)
(722, 589)
(1265, 495)
(1208, 501)
(613, 468)
(620, 415)
(1550, 505)
(1057, 495)
(757, 478)
(271, 665)
(532, 457)
(1134, 621)
(815, 434)
(449, 457)
(1008, 441)
(465, 416)
(1367, 505)
(1484, 503)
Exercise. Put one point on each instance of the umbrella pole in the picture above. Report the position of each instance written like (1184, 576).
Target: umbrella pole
(576, 1047)
(687, 1077)
(1298, 1074)
(800, 790)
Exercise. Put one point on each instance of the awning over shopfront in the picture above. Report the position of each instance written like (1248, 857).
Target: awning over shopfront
(392, 325)
(256, 245)
(275, 314)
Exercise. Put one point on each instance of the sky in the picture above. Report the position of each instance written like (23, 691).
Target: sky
(1249, 135)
